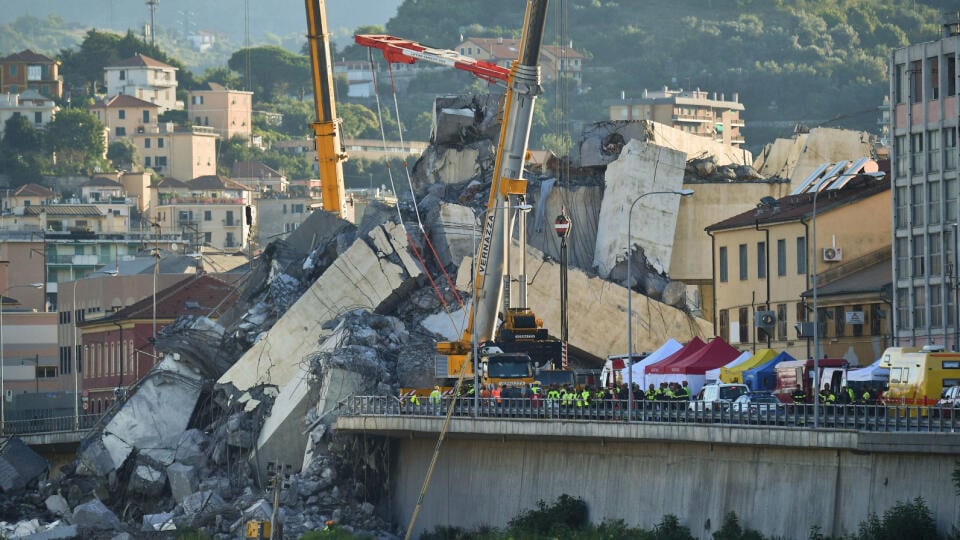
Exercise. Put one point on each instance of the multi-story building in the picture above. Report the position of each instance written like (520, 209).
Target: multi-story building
(279, 216)
(125, 115)
(215, 210)
(39, 110)
(181, 152)
(924, 117)
(227, 111)
(697, 112)
(259, 177)
(117, 348)
(764, 262)
(27, 70)
(555, 61)
(144, 78)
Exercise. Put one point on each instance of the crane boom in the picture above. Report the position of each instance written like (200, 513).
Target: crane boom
(403, 51)
(326, 129)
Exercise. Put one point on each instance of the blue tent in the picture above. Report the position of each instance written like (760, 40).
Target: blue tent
(764, 376)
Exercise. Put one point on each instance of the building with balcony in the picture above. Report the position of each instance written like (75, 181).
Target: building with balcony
(214, 209)
(697, 112)
(259, 177)
(227, 111)
(555, 61)
(125, 115)
(27, 70)
(924, 119)
(144, 78)
(39, 110)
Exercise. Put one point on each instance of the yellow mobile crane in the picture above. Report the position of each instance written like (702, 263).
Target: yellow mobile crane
(326, 129)
(512, 350)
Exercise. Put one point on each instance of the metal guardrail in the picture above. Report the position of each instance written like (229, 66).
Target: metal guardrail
(882, 418)
(59, 424)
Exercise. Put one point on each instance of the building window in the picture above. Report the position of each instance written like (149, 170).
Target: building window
(933, 249)
(936, 306)
(761, 260)
(950, 199)
(918, 262)
(900, 154)
(146, 143)
(723, 324)
(146, 161)
(207, 215)
(916, 152)
(903, 308)
(900, 207)
(121, 132)
(159, 142)
(876, 312)
(781, 257)
(839, 321)
(146, 117)
(919, 307)
(781, 322)
(801, 255)
(916, 82)
(13, 69)
(723, 264)
(207, 238)
(933, 203)
(916, 205)
(38, 118)
(949, 148)
(123, 75)
(161, 161)
(903, 256)
(122, 114)
(858, 328)
(933, 151)
(950, 80)
(743, 262)
(744, 316)
(933, 66)
(822, 319)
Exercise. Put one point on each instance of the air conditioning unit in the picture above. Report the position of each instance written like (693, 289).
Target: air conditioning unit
(832, 254)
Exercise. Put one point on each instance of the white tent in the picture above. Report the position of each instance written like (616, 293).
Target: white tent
(714, 374)
(873, 372)
(638, 370)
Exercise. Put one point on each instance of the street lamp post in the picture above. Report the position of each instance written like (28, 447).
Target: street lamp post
(3, 390)
(816, 316)
(629, 364)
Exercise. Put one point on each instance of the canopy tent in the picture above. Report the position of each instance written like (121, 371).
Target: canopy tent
(693, 367)
(668, 348)
(713, 375)
(693, 346)
(764, 376)
(872, 373)
(735, 374)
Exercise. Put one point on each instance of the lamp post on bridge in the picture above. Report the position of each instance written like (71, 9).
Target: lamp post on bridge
(629, 364)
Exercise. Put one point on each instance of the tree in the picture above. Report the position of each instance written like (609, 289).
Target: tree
(273, 71)
(123, 153)
(76, 138)
(19, 135)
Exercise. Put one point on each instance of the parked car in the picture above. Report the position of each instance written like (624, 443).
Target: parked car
(949, 403)
(759, 405)
(717, 396)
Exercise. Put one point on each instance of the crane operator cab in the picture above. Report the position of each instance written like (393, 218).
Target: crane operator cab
(505, 367)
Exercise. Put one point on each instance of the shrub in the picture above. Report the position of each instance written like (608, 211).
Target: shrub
(905, 520)
(670, 529)
(731, 530)
(566, 513)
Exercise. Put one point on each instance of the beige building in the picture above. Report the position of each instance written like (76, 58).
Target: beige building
(259, 177)
(126, 115)
(144, 78)
(697, 112)
(554, 60)
(27, 70)
(227, 111)
(764, 260)
(183, 153)
(216, 210)
(39, 110)
(278, 217)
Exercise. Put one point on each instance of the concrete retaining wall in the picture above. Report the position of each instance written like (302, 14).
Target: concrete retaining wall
(780, 491)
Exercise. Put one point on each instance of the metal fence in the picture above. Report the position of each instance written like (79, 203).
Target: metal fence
(837, 417)
(57, 424)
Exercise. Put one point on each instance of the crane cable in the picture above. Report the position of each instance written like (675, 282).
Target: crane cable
(410, 242)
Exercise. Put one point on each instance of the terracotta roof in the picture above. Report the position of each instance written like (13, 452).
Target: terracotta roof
(33, 190)
(199, 294)
(797, 207)
(124, 100)
(169, 182)
(253, 169)
(73, 210)
(101, 181)
(868, 280)
(28, 56)
(212, 181)
(139, 60)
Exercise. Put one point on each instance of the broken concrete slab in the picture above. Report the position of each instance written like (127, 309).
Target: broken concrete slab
(191, 448)
(159, 522)
(458, 120)
(797, 157)
(95, 515)
(57, 505)
(202, 502)
(359, 278)
(20, 465)
(147, 480)
(454, 230)
(56, 531)
(183, 480)
(641, 168)
(602, 142)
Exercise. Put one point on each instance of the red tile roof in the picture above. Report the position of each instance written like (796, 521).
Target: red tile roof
(212, 181)
(124, 100)
(28, 56)
(508, 48)
(199, 294)
(139, 60)
(33, 190)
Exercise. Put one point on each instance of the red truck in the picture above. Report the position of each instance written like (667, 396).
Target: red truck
(790, 374)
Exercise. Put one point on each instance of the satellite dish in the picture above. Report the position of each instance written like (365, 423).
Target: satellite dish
(174, 246)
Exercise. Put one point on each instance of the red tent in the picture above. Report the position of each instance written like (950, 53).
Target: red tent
(715, 354)
(664, 365)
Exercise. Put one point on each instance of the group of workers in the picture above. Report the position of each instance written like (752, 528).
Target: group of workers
(845, 396)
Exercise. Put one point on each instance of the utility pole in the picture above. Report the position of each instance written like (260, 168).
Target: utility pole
(152, 4)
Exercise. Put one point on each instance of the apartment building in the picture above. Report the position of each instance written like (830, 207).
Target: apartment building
(38, 109)
(555, 61)
(765, 259)
(181, 152)
(217, 210)
(924, 117)
(125, 115)
(698, 112)
(228, 112)
(27, 70)
(144, 78)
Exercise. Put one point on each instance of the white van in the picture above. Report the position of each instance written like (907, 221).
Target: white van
(717, 396)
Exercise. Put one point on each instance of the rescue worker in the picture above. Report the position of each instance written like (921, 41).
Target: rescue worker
(798, 395)
(684, 391)
(497, 394)
(850, 395)
(435, 397)
(415, 401)
(585, 396)
(329, 525)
